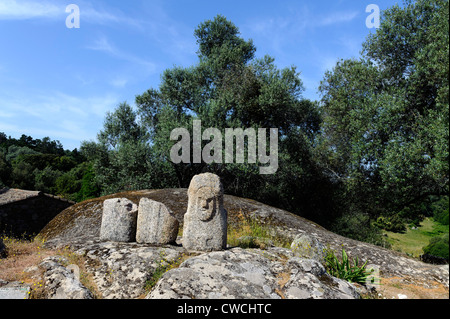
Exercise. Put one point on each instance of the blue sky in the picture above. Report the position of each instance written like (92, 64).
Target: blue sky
(60, 82)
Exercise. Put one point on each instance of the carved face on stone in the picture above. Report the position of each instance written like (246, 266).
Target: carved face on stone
(205, 196)
(205, 221)
(206, 203)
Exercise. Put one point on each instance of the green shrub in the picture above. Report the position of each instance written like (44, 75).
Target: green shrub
(358, 226)
(438, 247)
(394, 224)
(440, 211)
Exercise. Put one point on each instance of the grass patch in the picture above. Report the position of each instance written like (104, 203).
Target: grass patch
(413, 240)
(250, 233)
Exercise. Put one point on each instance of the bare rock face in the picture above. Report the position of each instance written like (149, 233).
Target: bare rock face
(305, 246)
(81, 223)
(119, 220)
(205, 221)
(121, 270)
(156, 224)
(61, 282)
(251, 273)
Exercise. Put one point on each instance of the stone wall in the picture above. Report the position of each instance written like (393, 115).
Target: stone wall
(27, 217)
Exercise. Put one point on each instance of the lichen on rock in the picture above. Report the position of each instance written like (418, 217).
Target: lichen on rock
(249, 274)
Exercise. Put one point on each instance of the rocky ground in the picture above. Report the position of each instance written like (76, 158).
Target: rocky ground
(127, 271)
(131, 270)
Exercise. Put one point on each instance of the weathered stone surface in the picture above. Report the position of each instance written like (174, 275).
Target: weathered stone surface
(308, 247)
(205, 221)
(251, 274)
(156, 224)
(81, 222)
(119, 220)
(61, 282)
(120, 270)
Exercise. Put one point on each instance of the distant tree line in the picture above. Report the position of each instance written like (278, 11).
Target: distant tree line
(44, 165)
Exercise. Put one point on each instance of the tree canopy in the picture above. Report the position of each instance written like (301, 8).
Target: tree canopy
(385, 115)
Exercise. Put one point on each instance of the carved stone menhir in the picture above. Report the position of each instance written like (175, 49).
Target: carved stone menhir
(205, 222)
(119, 220)
(156, 224)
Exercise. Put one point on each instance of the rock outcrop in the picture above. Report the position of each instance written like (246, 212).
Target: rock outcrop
(305, 246)
(60, 281)
(251, 274)
(133, 264)
(123, 271)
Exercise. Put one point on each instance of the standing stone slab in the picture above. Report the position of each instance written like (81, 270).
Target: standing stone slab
(156, 224)
(205, 222)
(119, 220)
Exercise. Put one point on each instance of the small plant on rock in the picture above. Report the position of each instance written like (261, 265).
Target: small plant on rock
(163, 265)
(345, 269)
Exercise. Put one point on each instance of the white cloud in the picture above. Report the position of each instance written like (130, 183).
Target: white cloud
(32, 9)
(328, 63)
(337, 17)
(119, 82)
(107, 18)
(58, 115)
(5, 114)
(104, 45)
(19, 10)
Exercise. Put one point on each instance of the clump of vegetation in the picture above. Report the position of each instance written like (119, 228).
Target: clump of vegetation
(44, 165)
(345, 269)
(251, 233)
(438, 247)
(440, 211)
(394, 224)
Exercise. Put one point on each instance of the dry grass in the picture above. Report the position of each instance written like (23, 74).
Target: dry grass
(391, 287)
(21, 254)
(258, 235)
(283, 278)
